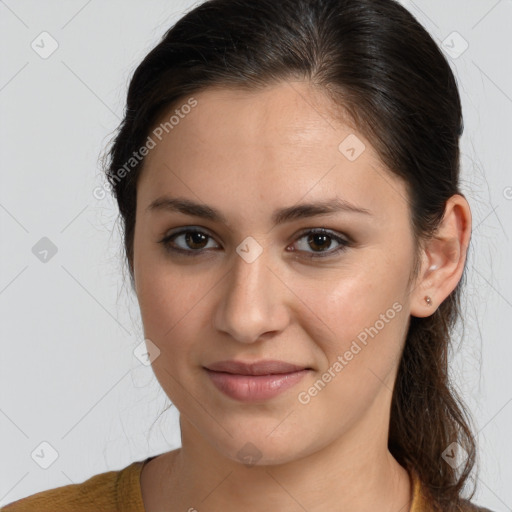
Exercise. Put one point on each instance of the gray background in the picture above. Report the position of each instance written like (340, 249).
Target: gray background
(69, 377)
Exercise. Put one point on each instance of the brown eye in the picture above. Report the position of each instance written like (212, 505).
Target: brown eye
(195, 239)
(320, 241)
(314, 243)
(187, 241)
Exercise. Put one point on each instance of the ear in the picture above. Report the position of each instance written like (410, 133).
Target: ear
(443, 258)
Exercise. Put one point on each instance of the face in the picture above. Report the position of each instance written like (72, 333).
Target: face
(322, 288)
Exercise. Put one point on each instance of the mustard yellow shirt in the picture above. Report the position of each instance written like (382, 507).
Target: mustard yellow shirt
(120, 491)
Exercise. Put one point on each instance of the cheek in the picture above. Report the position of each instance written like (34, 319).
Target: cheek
(358, 329)
(344, 306)
(173, 315)
(172, 305)
(357, 322)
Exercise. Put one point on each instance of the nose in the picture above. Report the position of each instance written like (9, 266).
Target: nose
(252, 300)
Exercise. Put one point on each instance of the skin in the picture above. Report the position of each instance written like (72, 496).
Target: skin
(248, 154)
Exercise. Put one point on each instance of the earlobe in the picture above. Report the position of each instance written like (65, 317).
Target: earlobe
(424, 299)
(444, 258)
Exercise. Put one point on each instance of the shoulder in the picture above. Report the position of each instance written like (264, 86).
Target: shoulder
(423, 500)
(467, 506)
(109, 492)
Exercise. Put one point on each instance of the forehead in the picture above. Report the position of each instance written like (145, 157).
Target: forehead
(286, 113)
(278, 143)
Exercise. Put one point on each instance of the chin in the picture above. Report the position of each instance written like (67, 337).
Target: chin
(260, 450)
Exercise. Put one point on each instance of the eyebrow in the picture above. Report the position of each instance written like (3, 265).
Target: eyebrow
(281, 216)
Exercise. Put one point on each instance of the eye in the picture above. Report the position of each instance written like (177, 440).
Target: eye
(192, 242)
(322, 240)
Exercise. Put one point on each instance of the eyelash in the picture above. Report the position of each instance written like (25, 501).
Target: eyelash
(344, 244)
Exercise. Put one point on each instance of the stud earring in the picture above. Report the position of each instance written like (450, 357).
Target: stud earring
(428, 300)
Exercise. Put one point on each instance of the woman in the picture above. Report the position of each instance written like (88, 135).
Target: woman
(288, 179)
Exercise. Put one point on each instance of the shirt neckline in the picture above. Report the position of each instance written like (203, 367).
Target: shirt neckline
(130, 488)
(129, 497)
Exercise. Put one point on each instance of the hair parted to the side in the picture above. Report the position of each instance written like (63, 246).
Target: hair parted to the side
(379, 65)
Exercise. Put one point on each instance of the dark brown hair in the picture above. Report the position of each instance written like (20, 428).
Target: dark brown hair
(379, 65)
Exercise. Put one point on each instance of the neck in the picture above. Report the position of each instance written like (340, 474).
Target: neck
(345, 475)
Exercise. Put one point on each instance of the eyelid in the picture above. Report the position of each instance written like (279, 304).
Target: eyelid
(326, 231)
(167, 239)
(343, 240)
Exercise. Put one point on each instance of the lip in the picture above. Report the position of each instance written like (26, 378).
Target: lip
(255, 382)
(264, 367)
